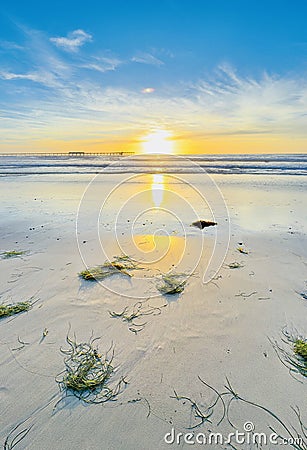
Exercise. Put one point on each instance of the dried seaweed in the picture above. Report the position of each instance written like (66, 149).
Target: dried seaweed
(199, 415)
(242, 250)
(234, 265)
(295, 438)
(120, 265)
(172, 283)
(12, 254)
(12, 309)
(300, 349)
(136, 311)
(87, 372)
(15, 436)
(302, 294)
(294, 354)
(23, 344)
(244, 295)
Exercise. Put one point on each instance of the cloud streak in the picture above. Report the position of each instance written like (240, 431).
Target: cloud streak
(73, 41)
(101, 64)
(45, 78)
(9, 45)
(78, 104)
(219, 107)
(147, 58)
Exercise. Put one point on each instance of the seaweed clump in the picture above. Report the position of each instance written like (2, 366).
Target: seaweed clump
(173, 283)
(87, 372)
(242, 250)
(300, 349)
(12, 254)
(12, 309)
(303, 295)
(235, 265)
(120, 264)
(295, 356)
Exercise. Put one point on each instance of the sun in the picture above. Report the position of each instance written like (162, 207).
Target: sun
(159, 142)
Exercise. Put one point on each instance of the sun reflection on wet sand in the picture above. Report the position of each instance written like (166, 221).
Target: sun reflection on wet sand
(157, 188)
(158, 251)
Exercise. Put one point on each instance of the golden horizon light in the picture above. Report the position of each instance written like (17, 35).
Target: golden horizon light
(158, 142)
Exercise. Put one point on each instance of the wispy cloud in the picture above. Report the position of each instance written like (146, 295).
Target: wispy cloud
(227, 104)
(101, 64)
(77, 106)
(273, 102)
(15, 76)
(42, 77)
(73, 41)
(9, 45)
(208, 108)
(147, 58)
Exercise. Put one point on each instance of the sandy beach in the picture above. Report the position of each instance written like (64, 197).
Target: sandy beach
(221, 326)
(153, 245)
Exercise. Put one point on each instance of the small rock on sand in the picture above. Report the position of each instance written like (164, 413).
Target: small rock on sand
(203, 224)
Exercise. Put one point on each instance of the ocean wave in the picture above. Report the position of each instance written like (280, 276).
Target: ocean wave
(291, 164)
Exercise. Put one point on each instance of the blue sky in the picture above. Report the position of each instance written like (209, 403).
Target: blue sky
(220, 75)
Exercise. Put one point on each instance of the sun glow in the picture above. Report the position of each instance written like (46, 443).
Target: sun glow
(158, 142)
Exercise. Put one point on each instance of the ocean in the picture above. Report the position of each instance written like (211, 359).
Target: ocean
(260, 164)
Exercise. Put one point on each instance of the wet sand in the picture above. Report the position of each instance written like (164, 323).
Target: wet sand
(217, 328)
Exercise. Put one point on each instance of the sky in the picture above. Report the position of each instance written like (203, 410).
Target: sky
(176, 76)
